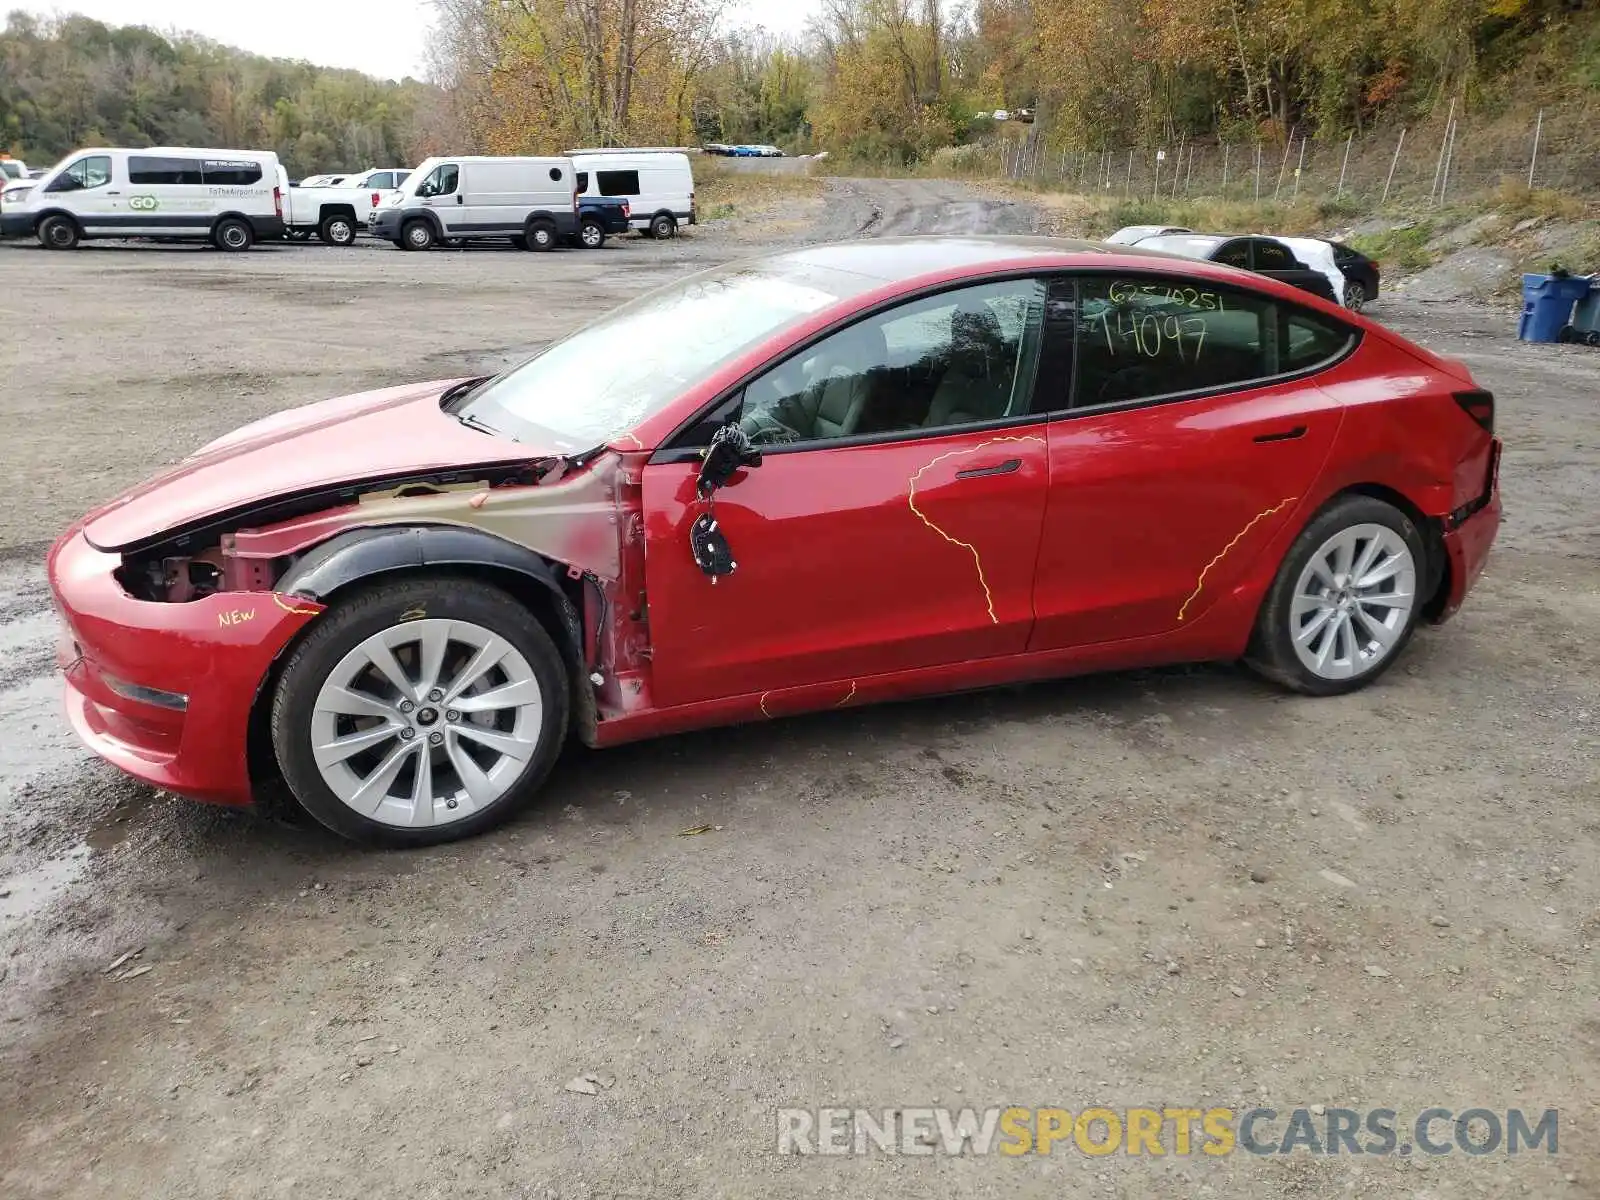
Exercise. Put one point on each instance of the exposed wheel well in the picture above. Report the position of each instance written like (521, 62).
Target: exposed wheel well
(272, 794)
(1436, 571)
(335, 210)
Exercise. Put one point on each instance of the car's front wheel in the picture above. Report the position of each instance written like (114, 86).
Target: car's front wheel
(1345, 600)
(420, 711)
(417, 235)
(58, 233)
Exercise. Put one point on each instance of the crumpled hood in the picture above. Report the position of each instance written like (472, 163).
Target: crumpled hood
(369, 436)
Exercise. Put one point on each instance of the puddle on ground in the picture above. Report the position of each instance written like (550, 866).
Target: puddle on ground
(37, 737)
(26, 893)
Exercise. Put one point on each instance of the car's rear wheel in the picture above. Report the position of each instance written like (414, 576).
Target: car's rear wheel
(233, 235)
(417, 235)
(663, 225)
(1345, 600)
(337, 231)
(58, 233)
(540, 235)
(1355, 296)
(592, 235)
(420, 711)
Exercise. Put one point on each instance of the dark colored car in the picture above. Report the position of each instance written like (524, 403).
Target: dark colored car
(599, 216)
(818, 479)
(1360, 276)
(1263, 255)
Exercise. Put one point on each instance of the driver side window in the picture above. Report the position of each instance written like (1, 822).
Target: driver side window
(958, 358)
(441, 181)
(91, 172)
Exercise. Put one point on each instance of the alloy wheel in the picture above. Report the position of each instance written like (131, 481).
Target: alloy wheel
(426, 722)
(1352, 602)
(1355, 296)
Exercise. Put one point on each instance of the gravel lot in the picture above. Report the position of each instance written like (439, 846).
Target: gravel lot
(1163, 888)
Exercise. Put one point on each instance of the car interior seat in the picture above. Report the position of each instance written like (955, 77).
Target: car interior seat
(976, 384)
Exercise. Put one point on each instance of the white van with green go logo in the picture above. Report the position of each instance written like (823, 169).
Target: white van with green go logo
(231, 198)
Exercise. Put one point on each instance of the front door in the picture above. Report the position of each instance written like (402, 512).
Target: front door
(1189, 443)
(92, 194)
(441, 192)
(894, 522)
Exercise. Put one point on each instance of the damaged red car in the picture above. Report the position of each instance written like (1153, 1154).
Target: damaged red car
(814, 480)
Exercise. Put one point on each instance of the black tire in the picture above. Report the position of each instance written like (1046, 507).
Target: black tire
(1355, 296)
(416, 234)
(591, 235)
(337, 230)
(352, 620)
(233, 235)
(1592, 338)
(1271, 653)
(541, 235)
(59, 233)
(663, 225)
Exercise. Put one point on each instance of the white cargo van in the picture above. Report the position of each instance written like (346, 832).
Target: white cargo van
(531, 201)
(232, 198)
(657, 184)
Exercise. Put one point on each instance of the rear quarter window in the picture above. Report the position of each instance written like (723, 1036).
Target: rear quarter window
(618, 183)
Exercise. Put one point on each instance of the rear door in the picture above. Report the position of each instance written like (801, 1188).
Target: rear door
(1276, 261)
(1192, 431)
(894, 522)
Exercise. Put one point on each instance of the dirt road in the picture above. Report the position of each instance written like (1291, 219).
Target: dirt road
(1162, 888)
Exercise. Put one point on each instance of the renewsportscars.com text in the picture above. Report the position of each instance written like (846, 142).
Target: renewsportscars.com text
(1157, 1132)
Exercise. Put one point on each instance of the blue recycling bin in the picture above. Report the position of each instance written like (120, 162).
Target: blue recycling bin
(1547, 306)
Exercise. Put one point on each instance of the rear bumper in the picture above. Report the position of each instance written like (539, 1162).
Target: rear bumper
(1468, 541)
(193, 671)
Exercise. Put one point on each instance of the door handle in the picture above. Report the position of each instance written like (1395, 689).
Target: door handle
(113, 193)
(1282, 435)
(460, 199)
(1005, 468)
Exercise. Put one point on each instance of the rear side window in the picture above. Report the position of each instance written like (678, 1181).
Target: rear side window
(618, 183)
(583, 181)
(1309, 340)
(147, 169)
(1138, 339)
(230, 173)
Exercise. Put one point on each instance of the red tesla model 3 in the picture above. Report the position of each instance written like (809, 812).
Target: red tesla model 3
(818, 479)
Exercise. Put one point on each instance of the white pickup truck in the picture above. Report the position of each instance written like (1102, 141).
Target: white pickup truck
(335, 214)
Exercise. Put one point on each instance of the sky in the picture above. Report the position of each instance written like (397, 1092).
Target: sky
(385, 38)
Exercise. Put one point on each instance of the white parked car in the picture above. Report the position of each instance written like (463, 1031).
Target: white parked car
(231, 198)
(337, 212)
(11, 169)
(1128, 235)
(657, 184)
(531, 201)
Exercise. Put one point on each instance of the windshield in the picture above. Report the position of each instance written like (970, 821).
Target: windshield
(609, 376)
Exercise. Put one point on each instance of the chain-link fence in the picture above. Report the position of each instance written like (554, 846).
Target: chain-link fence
(1434, 164)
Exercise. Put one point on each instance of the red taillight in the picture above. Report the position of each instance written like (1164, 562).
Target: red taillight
(627, 209)
(1479, 405)
(374, 199)
(277, 202)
